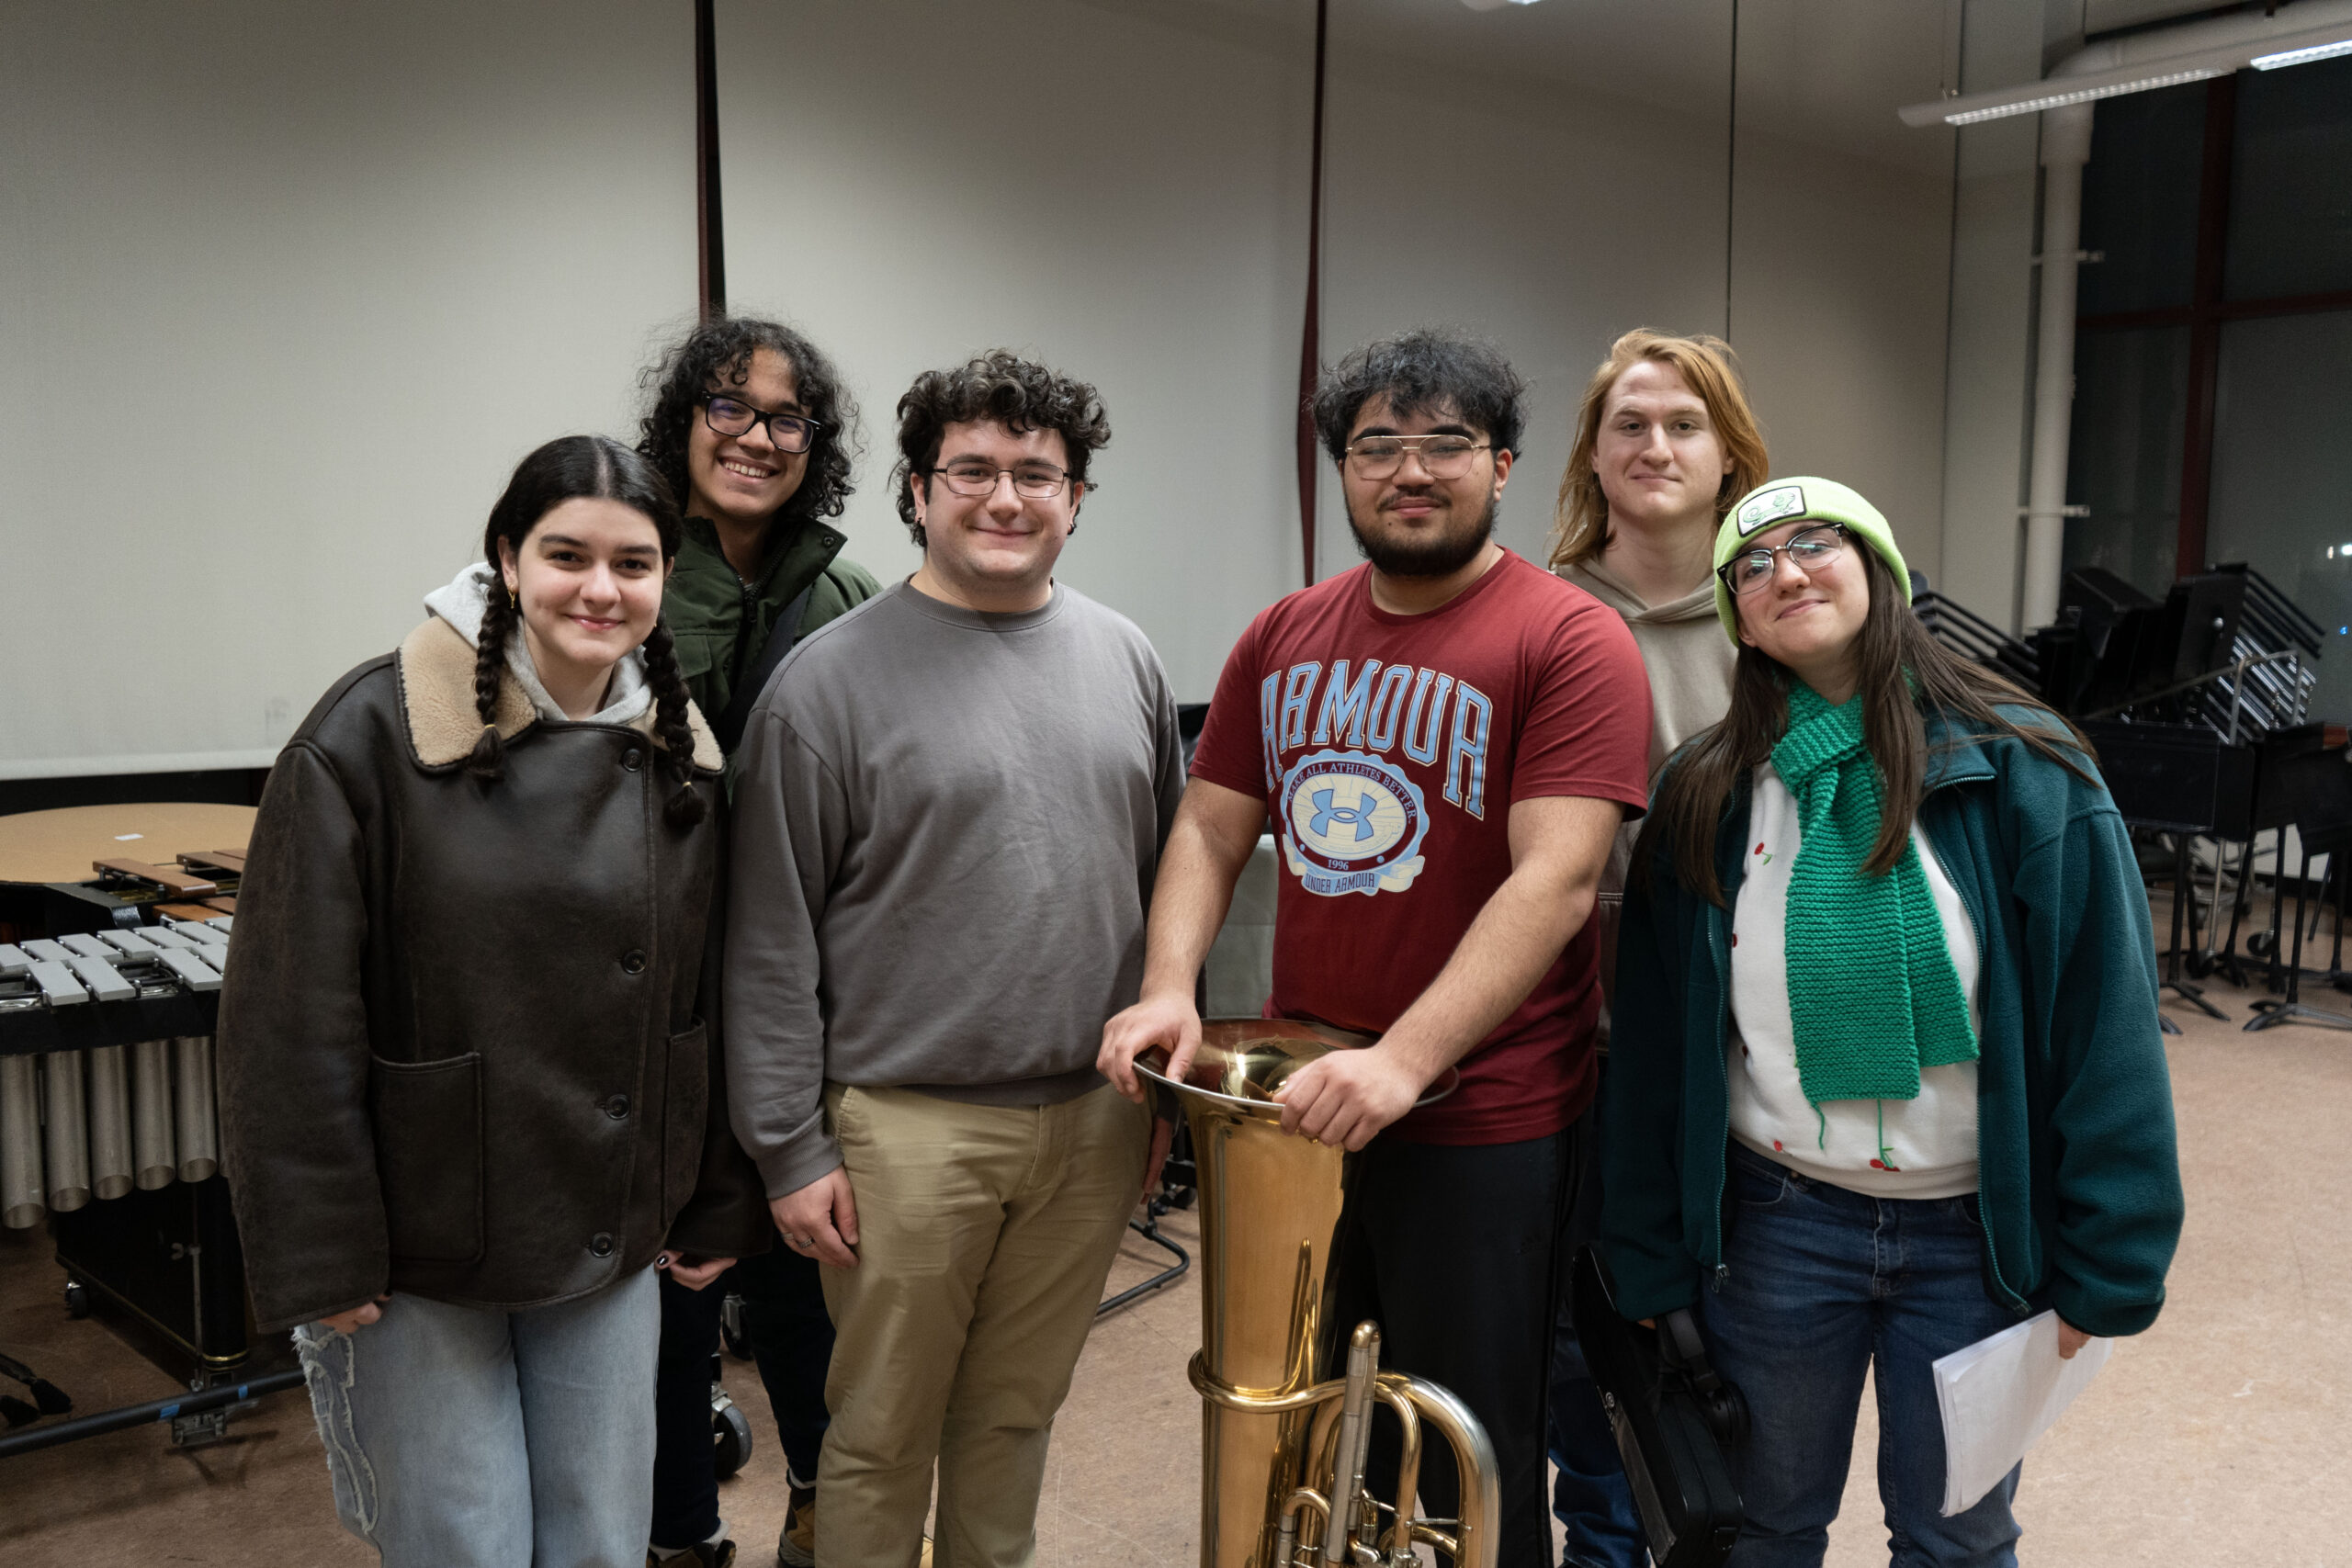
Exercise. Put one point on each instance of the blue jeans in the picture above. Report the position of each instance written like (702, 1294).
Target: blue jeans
(1590, 1496)
(461, 1437)
(1825, 1284)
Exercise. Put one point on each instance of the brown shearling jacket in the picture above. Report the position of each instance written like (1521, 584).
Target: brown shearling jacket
(467, 1045)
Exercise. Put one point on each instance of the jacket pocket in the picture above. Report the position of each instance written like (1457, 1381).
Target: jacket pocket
(429, 1156)
(688, 1108)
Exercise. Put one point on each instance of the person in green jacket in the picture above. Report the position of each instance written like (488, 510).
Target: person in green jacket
(1886, 1072)
(751, 427)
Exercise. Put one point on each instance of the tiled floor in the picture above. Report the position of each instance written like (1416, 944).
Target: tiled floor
(2219, 1436)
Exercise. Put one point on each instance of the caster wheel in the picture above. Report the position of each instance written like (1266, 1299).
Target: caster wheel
(730, 1328)
(77, 1299)
(2199, 966)
(2258, 944)
(1184, 1197)
(731, 1439)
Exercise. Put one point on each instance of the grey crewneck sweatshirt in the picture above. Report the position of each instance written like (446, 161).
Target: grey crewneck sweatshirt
(946, 828)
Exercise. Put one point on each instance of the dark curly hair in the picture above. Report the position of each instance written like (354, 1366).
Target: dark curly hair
(1424, 371)
(997, 387)
(565, 469)
(718, 353)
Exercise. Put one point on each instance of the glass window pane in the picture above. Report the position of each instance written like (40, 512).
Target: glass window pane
(2290, 189)
(2131, 397)
(2140, 199)
(2282, 474)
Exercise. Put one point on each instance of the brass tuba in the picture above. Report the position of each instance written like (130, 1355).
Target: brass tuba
(1283, 1440)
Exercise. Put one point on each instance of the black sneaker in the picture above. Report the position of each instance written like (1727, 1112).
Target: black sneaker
(702, 1556)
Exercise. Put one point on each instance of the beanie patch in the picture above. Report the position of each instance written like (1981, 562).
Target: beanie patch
(1767, 507)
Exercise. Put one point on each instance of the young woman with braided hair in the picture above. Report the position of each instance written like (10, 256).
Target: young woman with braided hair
(1885, 1074)
(469, 1108)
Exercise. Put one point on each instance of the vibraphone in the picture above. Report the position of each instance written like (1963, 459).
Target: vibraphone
(109, 1128)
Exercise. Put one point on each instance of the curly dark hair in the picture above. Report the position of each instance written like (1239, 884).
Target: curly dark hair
(1422, 371)
(718, 353)
(998, 388)
(564, 469)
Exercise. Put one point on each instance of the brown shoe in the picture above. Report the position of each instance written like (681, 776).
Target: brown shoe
(797, 1547)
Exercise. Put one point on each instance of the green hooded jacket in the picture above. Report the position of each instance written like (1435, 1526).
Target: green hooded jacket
(2079, 1193)
(720, 621)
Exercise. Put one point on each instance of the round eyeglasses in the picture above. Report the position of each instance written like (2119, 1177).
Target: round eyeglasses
(732, 416)
(1443, 457)
(1809, 550)
(1036, 481)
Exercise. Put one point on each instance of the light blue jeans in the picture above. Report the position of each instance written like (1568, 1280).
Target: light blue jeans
(459, 1438)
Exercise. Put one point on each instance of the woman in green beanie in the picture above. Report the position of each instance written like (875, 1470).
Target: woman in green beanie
(1886, 1075)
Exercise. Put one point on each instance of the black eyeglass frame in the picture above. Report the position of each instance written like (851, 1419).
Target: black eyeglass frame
(807, 427)
(1845, 536)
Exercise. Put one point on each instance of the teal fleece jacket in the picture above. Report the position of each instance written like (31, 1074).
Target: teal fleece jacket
(2079, 1183)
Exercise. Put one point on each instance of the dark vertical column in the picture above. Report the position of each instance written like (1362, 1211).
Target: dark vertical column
(2205, 322)
(1310, 348)
(711, 240)
(1731, 165)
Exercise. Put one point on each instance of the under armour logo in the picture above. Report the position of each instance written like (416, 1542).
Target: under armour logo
(1327, 814)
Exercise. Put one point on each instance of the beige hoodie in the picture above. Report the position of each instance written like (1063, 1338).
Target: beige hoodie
(1689, 663)
(1683, 646)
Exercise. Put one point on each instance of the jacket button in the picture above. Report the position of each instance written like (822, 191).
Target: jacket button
(601, 1244)
(633, 962)
(632, 759)
(618, 1107)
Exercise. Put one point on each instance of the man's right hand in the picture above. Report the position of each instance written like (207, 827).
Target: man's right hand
(820, 1220)
(1167, 1021)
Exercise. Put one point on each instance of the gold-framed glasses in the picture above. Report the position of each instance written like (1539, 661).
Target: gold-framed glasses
(1443, 457)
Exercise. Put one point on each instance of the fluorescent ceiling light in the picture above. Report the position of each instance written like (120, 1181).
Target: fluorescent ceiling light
(2082, 95)
(2301, 56)
(2138, 76)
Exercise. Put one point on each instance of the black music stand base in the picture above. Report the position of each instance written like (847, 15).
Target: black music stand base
(2167, 1025)
(2267, 1013)
(2194, 995)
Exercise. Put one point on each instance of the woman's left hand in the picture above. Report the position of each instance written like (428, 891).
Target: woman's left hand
(2070, 1339)
(697, 1275)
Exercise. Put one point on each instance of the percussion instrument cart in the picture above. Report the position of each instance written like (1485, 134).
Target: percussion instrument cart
(162, 1263)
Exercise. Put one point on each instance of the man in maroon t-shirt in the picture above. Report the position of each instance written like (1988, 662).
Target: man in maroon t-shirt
(1447, 739)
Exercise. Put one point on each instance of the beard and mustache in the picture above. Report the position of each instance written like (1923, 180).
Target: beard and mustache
(1437, 555)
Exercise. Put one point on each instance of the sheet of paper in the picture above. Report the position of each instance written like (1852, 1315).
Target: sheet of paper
(2000, 1395)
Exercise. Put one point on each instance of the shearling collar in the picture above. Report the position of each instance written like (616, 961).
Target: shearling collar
(435, 665)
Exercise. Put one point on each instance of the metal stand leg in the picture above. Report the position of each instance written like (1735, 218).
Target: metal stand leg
(2292, 1010)
(2184, 894)
(1149, 1228)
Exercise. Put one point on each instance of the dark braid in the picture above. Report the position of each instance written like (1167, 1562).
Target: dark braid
(488, 759)
(685, 807)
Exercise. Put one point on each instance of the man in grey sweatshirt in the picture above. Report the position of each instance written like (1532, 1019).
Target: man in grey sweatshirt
(949, 811)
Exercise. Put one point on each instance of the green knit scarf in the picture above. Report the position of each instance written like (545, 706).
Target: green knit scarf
(1873, 993)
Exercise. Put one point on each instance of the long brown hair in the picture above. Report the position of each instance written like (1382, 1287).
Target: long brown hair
(1903, 672)
(1708, 367)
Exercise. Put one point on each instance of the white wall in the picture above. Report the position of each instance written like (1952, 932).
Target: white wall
(290, 288)
(1118, 196)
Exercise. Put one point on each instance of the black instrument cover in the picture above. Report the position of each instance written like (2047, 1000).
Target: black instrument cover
(1671, 1416)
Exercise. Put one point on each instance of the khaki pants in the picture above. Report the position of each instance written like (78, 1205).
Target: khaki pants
(985, 1233)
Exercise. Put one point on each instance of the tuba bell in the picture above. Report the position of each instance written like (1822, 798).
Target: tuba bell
(1283, 1438)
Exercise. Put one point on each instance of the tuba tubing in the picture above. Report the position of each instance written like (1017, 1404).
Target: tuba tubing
(1283, 1447)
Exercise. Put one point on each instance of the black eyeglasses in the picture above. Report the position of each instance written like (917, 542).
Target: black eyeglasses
(732, 416)
(1809, 549)
(976, 476)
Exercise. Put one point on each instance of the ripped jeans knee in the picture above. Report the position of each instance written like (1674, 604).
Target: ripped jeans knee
(327, 1368)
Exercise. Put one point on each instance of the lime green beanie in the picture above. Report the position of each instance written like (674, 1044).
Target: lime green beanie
(1787, 501)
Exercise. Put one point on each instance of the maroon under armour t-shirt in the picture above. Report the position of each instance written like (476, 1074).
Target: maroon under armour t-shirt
(1389, 750)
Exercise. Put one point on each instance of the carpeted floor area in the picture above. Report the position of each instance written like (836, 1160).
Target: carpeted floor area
(2219, 1436)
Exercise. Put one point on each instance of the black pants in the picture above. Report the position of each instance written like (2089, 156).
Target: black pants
(792, 1343)
(1455, 1252)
